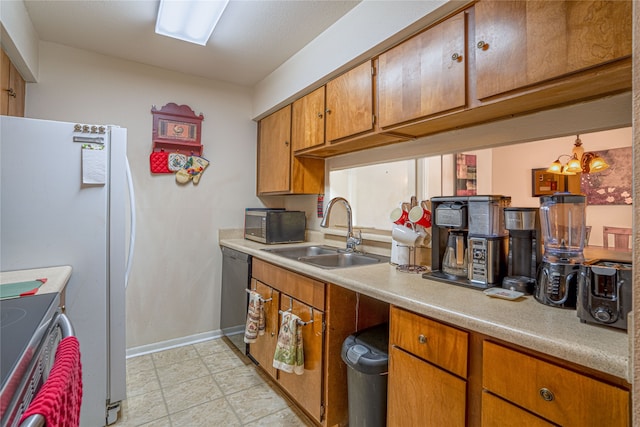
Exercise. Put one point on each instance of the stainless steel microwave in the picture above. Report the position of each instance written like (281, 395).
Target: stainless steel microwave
(271, 226)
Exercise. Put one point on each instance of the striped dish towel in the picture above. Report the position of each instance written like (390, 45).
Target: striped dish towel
(289, 354)
(256, 321)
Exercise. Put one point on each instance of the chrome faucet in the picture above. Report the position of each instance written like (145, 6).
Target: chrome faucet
(352, 241)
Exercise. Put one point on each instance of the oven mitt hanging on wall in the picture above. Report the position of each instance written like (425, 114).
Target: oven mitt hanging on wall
(192, 170)
(159, 162)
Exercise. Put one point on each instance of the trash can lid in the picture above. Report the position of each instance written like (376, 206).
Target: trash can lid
(366, 351)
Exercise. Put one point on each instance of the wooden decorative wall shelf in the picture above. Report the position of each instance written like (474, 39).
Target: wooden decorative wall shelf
(176, 128)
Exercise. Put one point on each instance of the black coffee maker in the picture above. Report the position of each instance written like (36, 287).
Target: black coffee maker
(449, 256)
(525, 249)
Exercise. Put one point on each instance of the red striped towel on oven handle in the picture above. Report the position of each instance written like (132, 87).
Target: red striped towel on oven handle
(60, 397)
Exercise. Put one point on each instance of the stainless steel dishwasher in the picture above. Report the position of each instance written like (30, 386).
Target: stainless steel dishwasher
(236, 277)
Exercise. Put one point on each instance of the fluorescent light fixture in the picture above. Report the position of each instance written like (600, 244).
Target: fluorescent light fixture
(190, 20)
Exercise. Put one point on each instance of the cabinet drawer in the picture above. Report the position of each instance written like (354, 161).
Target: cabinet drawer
(430, 340)
(555, 393)
(300, 287)
(498, 413)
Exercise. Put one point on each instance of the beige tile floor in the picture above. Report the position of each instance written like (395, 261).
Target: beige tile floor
(205, 384)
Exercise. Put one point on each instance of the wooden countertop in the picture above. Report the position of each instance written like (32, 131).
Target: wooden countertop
(524, 322)
(57, 278)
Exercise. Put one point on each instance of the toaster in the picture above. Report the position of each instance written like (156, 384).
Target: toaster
(604, 293)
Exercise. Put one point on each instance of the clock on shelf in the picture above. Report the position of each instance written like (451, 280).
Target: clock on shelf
(176, 128)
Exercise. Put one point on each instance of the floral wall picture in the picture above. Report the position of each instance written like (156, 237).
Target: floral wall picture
(613, 185)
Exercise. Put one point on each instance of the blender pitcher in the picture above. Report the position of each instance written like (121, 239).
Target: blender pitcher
(562, 217)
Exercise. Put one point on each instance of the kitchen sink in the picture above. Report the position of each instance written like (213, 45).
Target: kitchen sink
(303, 251)
(328, 257)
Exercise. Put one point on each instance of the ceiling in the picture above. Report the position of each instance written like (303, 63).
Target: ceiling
(253, 37)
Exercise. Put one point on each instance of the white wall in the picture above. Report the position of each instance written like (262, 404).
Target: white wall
(174, 289)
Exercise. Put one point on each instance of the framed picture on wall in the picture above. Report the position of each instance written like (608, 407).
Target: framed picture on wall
(466, 175)
(543, 182)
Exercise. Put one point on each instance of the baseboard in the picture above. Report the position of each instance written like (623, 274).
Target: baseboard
(174, 343)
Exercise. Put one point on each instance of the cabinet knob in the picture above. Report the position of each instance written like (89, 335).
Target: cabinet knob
(319, 115)
(422, 339)
(328, 111)
(546, 394)
(273, 334)
(12, 93)
(482, 45)
(286, 143)
(456, 57)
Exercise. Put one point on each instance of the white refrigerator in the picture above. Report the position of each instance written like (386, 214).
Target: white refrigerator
(63, 201)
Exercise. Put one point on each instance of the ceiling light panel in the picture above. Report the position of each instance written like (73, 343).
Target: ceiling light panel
(190, 20)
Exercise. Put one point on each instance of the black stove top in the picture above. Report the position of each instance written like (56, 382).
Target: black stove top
(23, 321)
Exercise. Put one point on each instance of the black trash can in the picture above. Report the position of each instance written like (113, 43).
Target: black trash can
(366, 354)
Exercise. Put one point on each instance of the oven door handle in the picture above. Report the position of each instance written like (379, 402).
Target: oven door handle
(37, 420)
(65, 326)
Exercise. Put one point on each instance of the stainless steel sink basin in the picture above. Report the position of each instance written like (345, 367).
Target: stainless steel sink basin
(303, 251)
(328, 257)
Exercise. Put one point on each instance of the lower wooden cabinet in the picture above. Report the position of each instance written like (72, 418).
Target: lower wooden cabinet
(555, 393)
(263, 349)
(421, 394)
(306, 388)
(321, 391)
(427, 370)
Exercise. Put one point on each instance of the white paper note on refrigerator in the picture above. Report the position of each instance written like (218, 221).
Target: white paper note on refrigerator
(94, 165)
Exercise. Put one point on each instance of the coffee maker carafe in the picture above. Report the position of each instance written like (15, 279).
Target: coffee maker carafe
(455, 262)
(562, 218)
(525, 249)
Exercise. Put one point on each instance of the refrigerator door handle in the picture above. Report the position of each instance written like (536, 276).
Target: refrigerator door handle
(132, 232)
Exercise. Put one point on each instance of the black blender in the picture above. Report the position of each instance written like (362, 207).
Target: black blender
(562, 218)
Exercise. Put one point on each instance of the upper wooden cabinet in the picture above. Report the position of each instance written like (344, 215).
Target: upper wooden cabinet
(424, 75)
(274, 152)
(278, 171)
(350, 103)
(521, 43)
(13, 88)
(307, 123)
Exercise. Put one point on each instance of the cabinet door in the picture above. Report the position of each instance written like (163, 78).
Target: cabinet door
(419, 394)
(307, 121)
(306, 389)
(424, 75)
(350, 103)
(12, 88)
(520, 43)
(274, 152)
(498, 413)
(265, 346)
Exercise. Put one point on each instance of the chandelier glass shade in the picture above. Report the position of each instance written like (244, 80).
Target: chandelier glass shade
(579, 161)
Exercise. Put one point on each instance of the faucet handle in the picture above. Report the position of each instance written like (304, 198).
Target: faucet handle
(353, 241)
